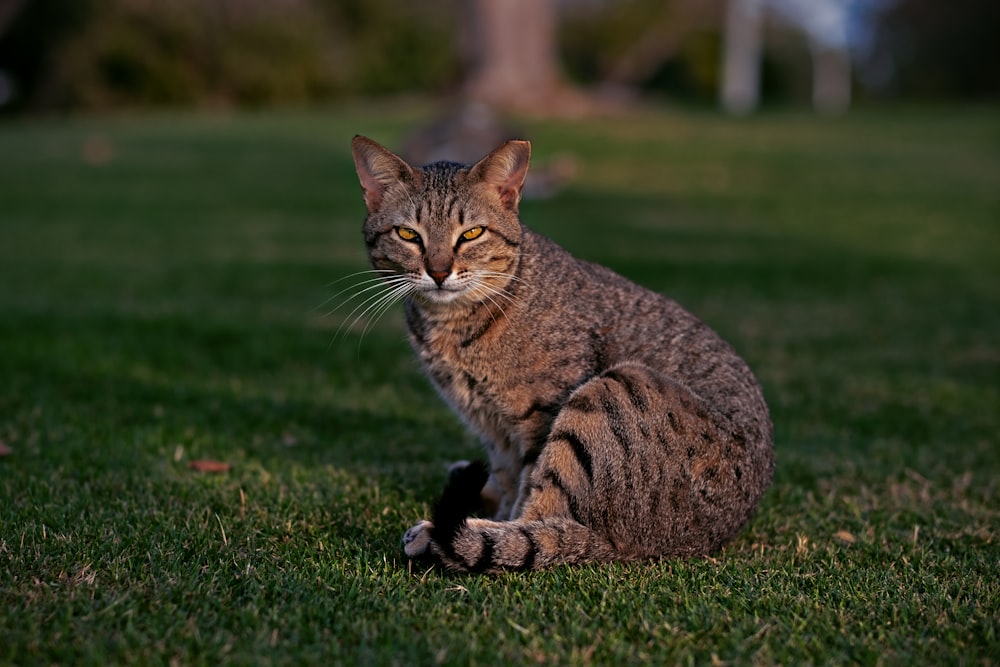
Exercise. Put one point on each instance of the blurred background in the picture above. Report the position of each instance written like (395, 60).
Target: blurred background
(553, 57)
(818, 180)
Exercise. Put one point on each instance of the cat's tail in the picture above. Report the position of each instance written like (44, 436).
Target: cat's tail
(487, 546)
(482, 545)
(462, 544)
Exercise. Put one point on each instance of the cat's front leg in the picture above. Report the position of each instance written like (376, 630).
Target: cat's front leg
(489, 497)
(461, 495)
(500, 492)
(499, 496)
(523, 489)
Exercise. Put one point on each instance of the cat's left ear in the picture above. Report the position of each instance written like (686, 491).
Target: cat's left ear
(378, 169)
(505, 169)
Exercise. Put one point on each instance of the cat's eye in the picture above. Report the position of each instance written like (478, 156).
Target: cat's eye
(473, 233)
(407, 234)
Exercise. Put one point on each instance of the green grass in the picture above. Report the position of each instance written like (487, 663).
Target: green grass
(160, 307)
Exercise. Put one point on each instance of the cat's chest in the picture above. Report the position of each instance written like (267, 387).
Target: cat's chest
(456, 348)
(468, 379)
(475, 378)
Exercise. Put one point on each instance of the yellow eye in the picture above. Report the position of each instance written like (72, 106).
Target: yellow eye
(475, 232)
(407, 234)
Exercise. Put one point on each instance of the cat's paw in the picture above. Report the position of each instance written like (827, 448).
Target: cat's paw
(417, 540)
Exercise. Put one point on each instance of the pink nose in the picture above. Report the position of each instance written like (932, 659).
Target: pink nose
(438, 276)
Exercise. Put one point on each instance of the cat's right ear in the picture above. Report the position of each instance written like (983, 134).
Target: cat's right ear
(378, 169)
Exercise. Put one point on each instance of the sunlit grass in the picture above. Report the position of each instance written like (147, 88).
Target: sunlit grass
(160, 290)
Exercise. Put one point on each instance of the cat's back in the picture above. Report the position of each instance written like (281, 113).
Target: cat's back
(579, 305)
(633, 322)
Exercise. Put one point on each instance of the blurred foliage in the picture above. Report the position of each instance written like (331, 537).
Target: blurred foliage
(102, 54)
(108, 54)
(113, 54)
(694, 71)
(935, 49)
(658, 46)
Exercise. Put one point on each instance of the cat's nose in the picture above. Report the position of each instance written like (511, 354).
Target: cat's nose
(439, 276)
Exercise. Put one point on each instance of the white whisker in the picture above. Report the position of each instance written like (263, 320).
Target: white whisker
(495, 290)
(376, 310)
(502, 293)
(380, 308)
(373, 282)
(485, 292)
(486, 273)
(371, 301)
(372, 296)
(375, 291)
(378, 284)
(499, 307)
(357, 273)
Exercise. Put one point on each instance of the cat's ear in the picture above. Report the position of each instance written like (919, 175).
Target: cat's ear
(378, 169)
(505, 169)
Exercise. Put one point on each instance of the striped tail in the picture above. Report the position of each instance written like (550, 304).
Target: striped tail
(463, 544)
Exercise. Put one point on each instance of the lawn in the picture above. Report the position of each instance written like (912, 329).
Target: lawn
(164, 287)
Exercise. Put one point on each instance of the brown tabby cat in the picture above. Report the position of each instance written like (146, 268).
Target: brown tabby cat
(618, 426)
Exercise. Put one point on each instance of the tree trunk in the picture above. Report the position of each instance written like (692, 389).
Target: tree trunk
(511, 56)
(831, 79)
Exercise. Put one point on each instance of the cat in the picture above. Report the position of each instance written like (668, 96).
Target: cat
(618, 427)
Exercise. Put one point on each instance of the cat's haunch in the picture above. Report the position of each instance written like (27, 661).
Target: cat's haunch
(617, 425)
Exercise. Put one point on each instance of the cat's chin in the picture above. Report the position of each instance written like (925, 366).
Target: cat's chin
(442, 296)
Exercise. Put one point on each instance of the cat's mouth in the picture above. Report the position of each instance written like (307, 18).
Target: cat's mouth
(440, 287)
(441, 293)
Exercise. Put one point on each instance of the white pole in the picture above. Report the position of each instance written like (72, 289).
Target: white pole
(741, 58)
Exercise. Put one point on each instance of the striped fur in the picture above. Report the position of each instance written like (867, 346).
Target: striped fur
(617, 425)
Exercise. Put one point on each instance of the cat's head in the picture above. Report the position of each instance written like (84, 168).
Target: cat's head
(448, 232)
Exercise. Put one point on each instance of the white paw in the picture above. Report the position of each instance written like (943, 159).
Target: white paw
(417, 540)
